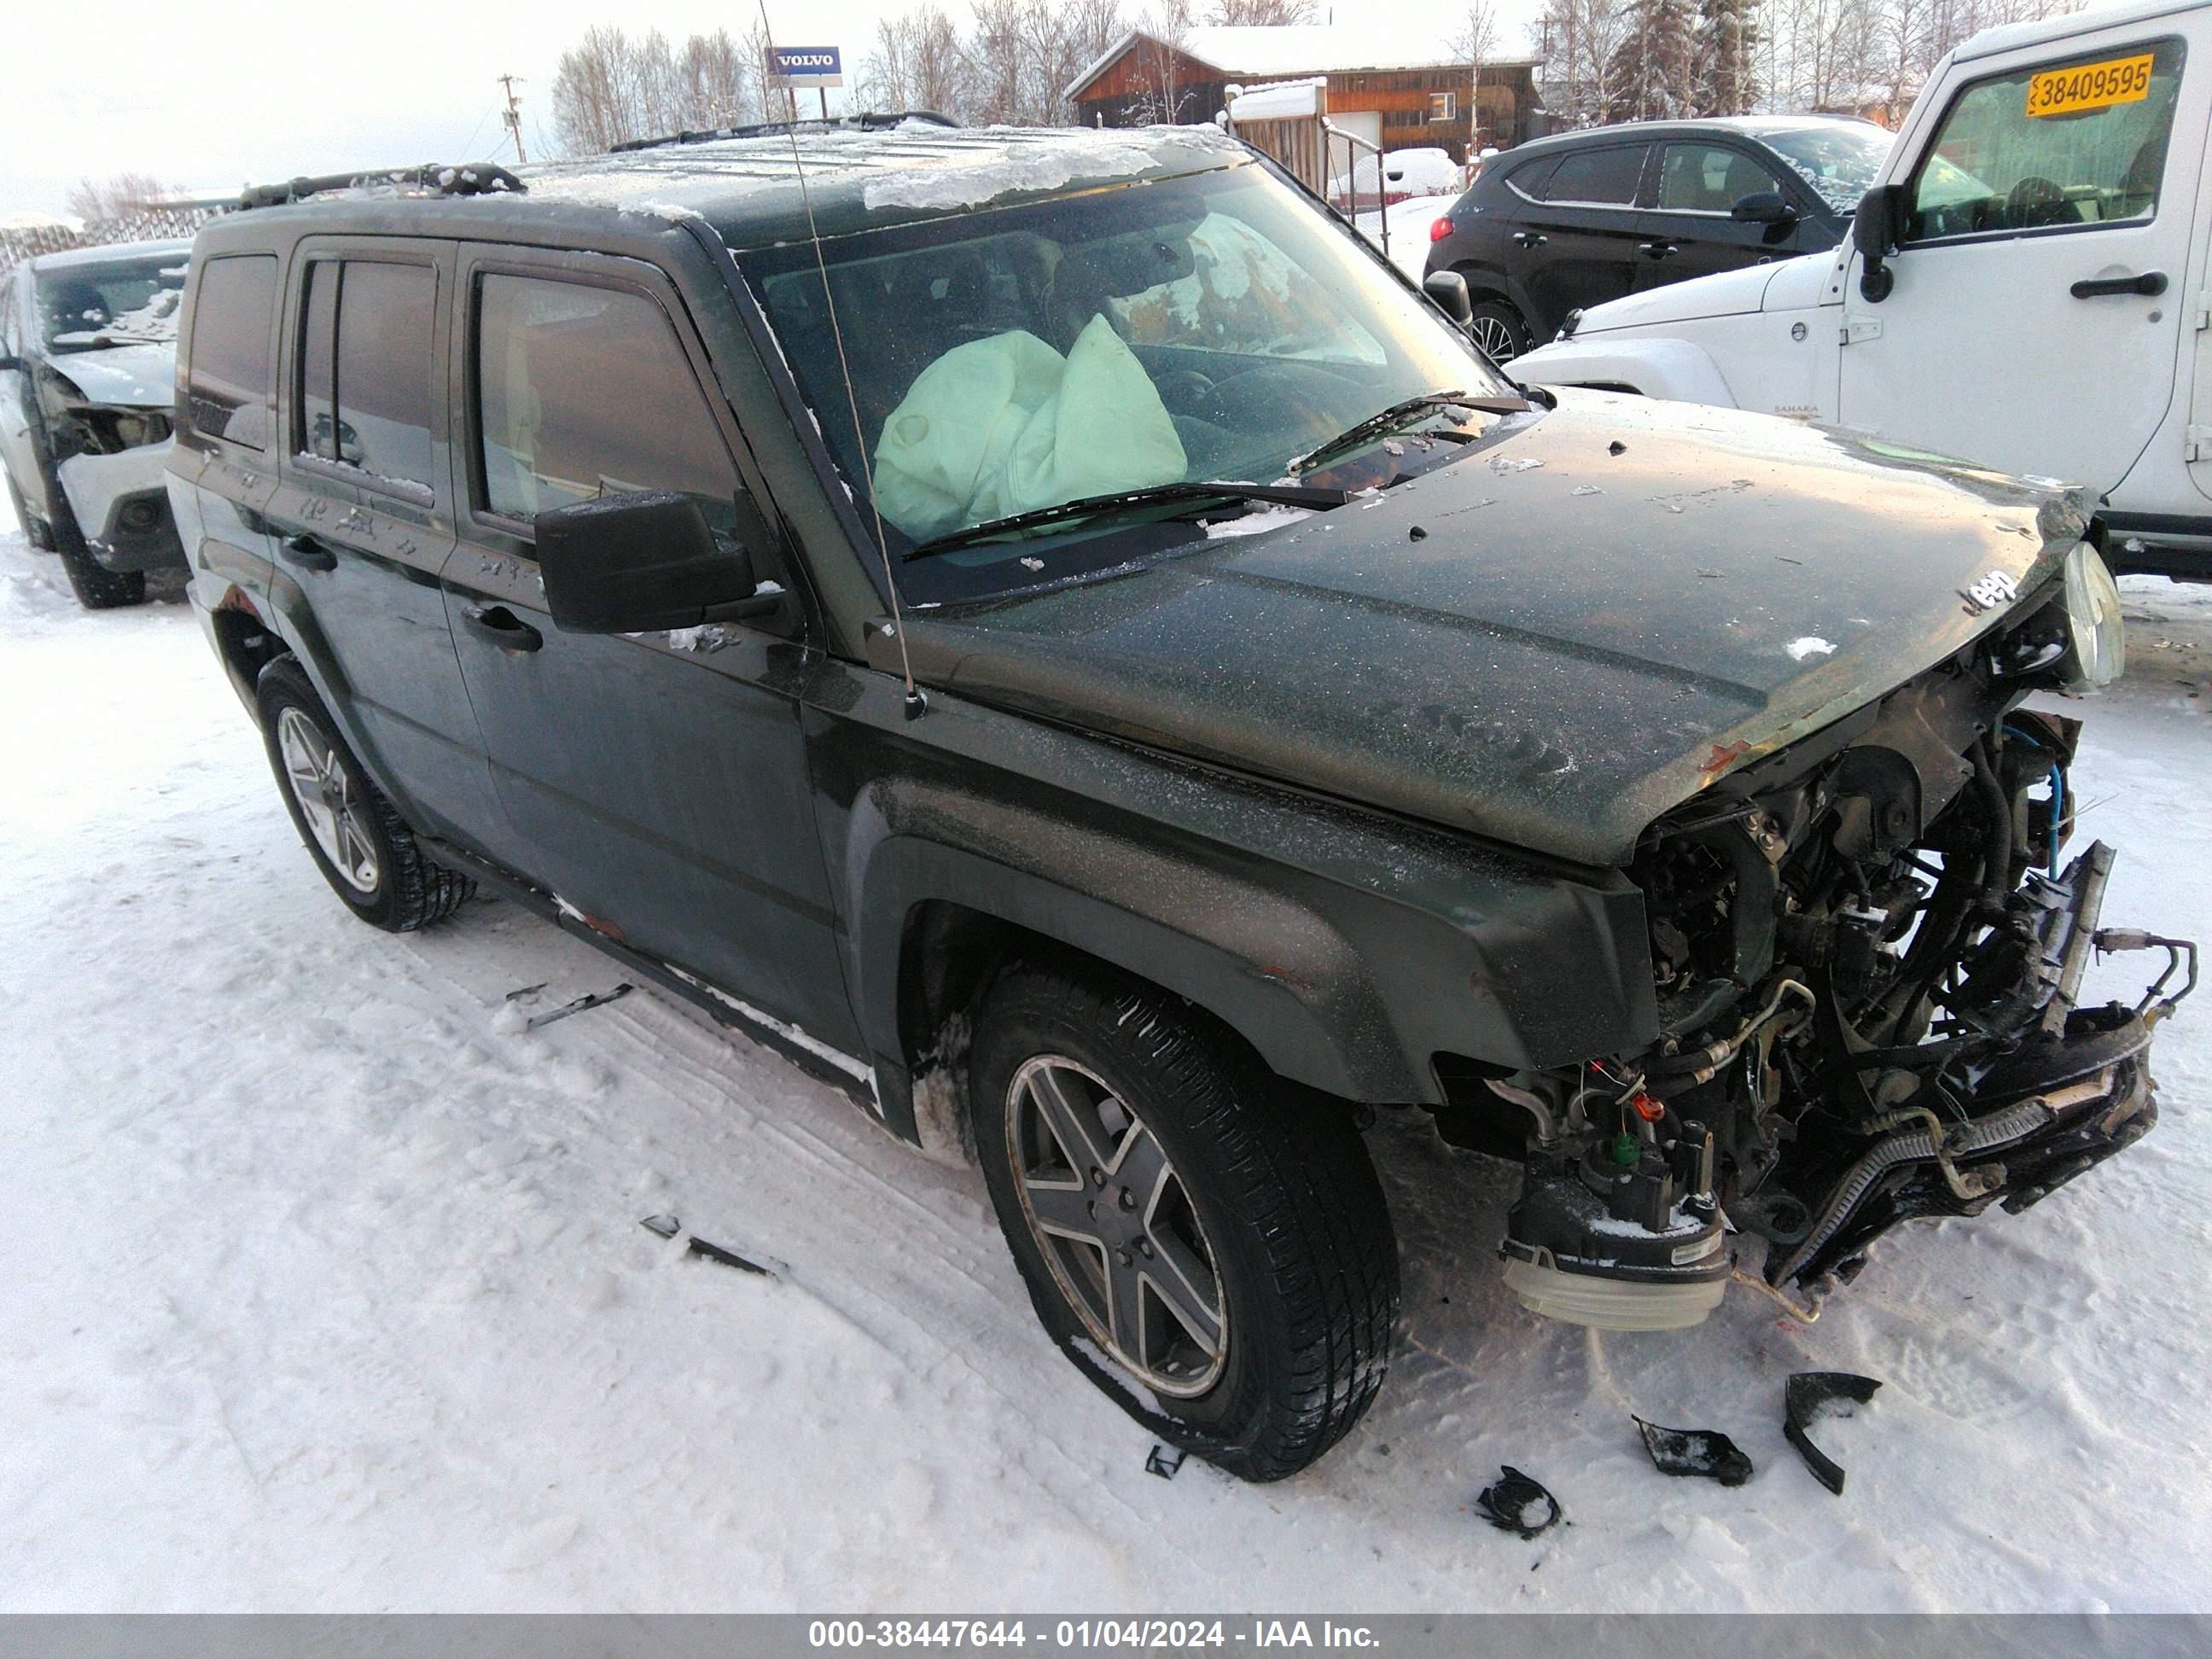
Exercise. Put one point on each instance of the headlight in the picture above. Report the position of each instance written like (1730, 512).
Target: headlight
(2096, 642)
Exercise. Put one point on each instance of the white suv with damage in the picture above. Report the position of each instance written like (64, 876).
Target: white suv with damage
(2026, 284)
(87, 383)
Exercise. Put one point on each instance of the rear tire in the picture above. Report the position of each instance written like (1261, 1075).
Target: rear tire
(1240, 1231)
(356, 837)
(1499, 331)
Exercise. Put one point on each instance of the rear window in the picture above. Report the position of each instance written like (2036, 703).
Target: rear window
(365, 368)
(1606, 178)
(231, 383)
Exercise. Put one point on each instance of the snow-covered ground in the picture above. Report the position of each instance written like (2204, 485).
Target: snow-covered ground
(1409, 222)
(324, 1286)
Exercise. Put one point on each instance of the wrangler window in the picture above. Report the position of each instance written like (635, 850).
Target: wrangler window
(229, 391)
(584, 391)
(2073, 144)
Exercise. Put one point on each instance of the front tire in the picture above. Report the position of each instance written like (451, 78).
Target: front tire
(356, 835)
(97, 588)
(1192, 1230)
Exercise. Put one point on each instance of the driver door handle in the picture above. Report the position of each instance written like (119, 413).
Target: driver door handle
(1657, 250)
(308, 554)
(497, 625)
(1530, 238)
(2151, 285)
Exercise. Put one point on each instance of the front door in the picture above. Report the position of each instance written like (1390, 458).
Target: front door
(2032, 322)
(1694, 232)
(657, 783)
(362, 521)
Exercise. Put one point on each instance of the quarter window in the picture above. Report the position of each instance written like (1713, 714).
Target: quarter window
(1604, 176)
(366, 361)
(2073, 144)
(1710, 179)
(585, 392)
(229, 390)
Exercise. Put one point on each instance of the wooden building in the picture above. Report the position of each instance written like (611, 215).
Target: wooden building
(1398, 85)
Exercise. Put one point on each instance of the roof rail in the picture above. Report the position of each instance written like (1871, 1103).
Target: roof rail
(431, 178)
(869, 121)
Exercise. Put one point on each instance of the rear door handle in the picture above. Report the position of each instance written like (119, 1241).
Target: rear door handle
(1530, 238)
(500, 627)
(2151, 285)
(1657, 250)
(308, 554)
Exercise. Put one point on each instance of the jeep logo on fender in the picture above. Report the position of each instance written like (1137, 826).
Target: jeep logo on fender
(1992, 590)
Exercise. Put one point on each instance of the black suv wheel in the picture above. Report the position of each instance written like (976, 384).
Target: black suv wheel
(1216, 1236)
(1498, 330)
(356, 837)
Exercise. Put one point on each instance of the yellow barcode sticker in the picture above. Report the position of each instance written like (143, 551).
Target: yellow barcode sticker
(2089, 86)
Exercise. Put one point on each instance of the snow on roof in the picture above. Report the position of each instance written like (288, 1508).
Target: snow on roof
(1406, 42)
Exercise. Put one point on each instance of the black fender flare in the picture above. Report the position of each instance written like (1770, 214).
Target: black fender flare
(1273, 970)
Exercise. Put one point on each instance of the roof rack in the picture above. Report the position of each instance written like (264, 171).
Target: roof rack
(871, 121)
(431, 178)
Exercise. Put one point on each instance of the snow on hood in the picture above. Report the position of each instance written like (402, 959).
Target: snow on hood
(1723, 294)
(140, 375)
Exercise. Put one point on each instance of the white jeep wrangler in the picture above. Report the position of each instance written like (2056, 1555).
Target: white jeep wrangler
(2028, 285)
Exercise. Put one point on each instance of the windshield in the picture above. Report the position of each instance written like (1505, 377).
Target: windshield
(85, 308)
(1840, 162)
(1212, 326)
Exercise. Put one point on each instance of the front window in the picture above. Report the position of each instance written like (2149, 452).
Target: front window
(2072, 144)
(1208, 327)
(91, 307)
(1840, 162)
(1710, 179)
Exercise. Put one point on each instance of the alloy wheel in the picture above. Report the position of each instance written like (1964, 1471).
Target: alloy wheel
(1494, 337)
(1117, 1227)
(335, 817)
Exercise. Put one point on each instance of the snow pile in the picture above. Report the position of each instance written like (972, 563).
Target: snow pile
(326, 1288)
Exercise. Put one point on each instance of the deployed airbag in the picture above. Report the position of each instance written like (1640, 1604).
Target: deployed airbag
(1007, 425)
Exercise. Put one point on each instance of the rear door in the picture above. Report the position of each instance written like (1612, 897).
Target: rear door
(657, 783)
(363, 521)
(2040, 286)
(1693, 232)
(1579, 241)
(15, 451)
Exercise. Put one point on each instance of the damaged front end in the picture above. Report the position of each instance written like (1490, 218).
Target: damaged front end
(1868, 949)
(111, 452)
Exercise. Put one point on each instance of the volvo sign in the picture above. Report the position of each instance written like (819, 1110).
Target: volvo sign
(805, 66)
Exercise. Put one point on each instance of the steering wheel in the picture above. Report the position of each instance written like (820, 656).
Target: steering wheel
(2036, 201)
(1287, 397)
(1184, 388)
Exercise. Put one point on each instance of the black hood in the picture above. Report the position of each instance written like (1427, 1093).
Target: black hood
(1550, 641)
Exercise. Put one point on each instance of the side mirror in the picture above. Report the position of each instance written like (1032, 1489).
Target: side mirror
(1447, 288)
(1876, 231)
(638, 562)
(1762, 207)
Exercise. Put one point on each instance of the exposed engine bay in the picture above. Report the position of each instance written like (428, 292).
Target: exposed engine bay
(1867, 949)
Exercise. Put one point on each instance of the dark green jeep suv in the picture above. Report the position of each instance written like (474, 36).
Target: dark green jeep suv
(1050, 633)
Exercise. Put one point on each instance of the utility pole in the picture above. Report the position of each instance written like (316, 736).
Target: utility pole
(511, 117)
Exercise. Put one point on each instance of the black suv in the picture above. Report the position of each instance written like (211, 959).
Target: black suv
(843, 606)
(1574, 221)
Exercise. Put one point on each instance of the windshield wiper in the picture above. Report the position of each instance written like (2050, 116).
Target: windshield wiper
(1093, 506)
(1386, 421)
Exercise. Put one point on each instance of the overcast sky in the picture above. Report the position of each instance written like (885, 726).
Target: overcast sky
(228, 92)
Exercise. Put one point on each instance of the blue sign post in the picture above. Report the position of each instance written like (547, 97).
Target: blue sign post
(819, 67)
